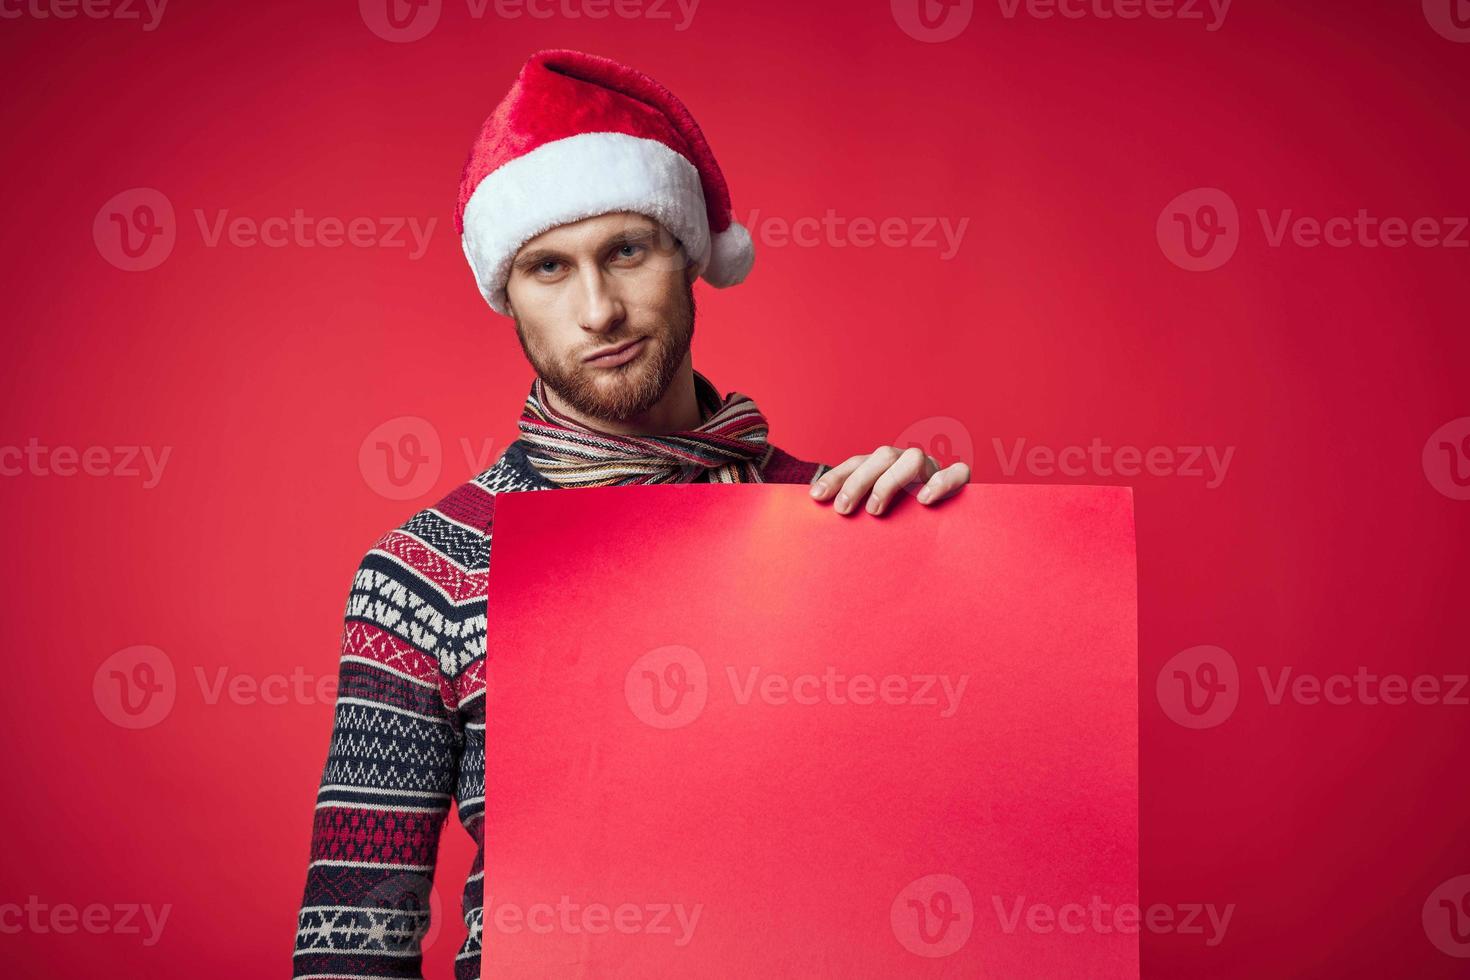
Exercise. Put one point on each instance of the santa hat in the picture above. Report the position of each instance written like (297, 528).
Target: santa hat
(578, 136)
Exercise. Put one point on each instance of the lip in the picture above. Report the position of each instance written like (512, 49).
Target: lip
(617, 355)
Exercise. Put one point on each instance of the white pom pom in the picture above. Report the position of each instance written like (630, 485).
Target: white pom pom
(732, 253)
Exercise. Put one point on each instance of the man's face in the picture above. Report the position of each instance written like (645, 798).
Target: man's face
(585, 288)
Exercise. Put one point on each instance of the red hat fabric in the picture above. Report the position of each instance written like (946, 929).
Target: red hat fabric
(578, 136)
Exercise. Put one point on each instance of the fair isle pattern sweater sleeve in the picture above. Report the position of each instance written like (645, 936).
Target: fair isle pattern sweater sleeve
(408, 737)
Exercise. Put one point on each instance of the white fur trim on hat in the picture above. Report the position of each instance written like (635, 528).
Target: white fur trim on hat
(731, 255)
(584, 176)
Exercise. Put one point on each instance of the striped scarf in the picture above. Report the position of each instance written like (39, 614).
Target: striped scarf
(729, 446)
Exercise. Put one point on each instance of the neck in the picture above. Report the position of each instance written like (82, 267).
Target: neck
(676, 411)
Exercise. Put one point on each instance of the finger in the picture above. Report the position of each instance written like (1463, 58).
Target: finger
(911, 466)
(829, 481)
(861, 480)
(944, 483)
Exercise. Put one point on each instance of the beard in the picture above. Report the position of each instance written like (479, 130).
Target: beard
(617, 394)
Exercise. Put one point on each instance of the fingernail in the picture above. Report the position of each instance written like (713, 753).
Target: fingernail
(816, 489)
(874, 505)
(924, 495)
(842, 502)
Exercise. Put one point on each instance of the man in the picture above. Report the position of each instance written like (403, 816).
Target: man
(589, 205)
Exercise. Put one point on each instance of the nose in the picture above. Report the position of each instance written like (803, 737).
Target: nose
(601, 305)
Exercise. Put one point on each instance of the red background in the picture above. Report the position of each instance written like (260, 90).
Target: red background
(1059, 320)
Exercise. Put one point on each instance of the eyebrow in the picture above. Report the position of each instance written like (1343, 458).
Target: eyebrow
(636, 236)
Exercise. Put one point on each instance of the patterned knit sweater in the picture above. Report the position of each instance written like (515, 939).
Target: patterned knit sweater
(409, 733)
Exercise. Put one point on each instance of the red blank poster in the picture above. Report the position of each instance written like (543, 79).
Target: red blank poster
(731, 733)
